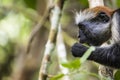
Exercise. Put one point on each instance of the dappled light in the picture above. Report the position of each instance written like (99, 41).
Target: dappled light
(36, 37)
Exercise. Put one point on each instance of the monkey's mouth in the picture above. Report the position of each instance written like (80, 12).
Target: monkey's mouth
(83, 39)
(88, 38)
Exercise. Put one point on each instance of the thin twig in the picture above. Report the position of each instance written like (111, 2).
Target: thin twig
(37, 28)
(35, 18)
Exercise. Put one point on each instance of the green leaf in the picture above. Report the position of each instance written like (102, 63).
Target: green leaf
(31, 3)
(76, 63)
(72, 64)
(117, 75)
(83, 3)
(57, 77)
(87, 54)
(118, 3)
(67, 65)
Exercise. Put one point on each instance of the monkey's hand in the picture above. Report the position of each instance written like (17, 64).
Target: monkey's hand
(78, 49)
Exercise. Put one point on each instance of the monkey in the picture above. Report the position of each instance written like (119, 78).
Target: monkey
(97, 26)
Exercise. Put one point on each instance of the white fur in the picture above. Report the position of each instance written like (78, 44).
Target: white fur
(85, 15)
(115, 33)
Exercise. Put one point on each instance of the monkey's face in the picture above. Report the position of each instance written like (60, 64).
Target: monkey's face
(94, 26)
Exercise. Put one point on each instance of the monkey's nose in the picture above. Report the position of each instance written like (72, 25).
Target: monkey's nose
(78, 35)
(82, 37)
(81, 26)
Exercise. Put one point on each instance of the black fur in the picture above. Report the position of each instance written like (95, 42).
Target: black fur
(92, 32)
(109, 55)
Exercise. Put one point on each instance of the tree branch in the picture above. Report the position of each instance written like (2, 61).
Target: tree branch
(62, 55)
(94, 3)
(56, 14)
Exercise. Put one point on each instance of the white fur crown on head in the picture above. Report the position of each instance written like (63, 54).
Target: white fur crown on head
(85, 15)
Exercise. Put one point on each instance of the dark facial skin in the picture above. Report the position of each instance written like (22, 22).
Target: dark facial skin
(93, 31)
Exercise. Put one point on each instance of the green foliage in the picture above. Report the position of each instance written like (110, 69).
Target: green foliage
(57, 77)
(118, 3)
(31, 3)
(6, 2)
(6, 58)
(83, 3)
(14, 32)
(117, 75)
(75, 64)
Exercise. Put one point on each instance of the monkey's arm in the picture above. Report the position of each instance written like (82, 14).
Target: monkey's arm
(109, 56)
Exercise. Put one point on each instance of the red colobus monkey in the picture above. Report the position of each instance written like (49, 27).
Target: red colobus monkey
(96, 26)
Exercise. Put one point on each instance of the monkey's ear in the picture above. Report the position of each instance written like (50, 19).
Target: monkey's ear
(117, 11)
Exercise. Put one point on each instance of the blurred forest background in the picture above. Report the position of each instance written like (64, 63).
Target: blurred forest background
(18, 19)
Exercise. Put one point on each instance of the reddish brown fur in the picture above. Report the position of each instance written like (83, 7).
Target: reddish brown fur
(98, 9)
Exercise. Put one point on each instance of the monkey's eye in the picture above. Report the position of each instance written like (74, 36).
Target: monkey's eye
(102, 17)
